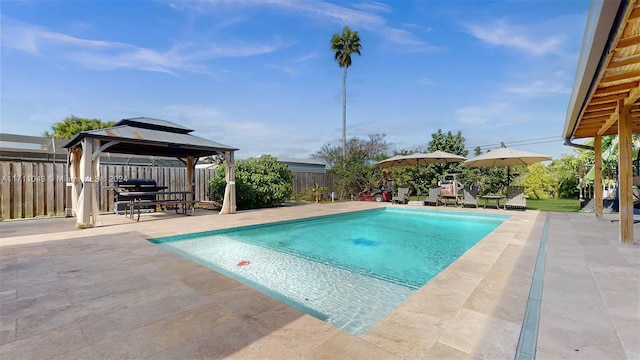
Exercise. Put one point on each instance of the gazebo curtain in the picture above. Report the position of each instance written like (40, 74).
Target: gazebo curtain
(229, 202)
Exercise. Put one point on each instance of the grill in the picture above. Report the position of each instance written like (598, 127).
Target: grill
(134, 185)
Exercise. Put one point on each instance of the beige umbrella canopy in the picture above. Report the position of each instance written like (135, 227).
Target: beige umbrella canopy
(505, 157)
(397, 160)
(417, 159)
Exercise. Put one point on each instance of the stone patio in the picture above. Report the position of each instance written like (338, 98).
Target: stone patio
(107, 292)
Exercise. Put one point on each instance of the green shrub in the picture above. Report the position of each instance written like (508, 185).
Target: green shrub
(260, 182)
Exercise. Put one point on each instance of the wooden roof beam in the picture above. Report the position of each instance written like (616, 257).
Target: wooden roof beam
(629, 41)
(606, 99)
(607, 105)
(596, 114)
(609, 123)
(617, 88)
(634, 95)
(635, 13)
(629, 60)
(621, 76)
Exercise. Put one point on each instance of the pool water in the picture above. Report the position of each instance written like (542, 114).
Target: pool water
(348, 269)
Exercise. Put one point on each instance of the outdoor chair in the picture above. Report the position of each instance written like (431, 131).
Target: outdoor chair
(433, 196)
(470, 195)
(516, 198)
(402, 196)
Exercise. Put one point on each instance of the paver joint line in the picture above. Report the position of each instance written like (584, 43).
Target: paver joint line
(528, 340)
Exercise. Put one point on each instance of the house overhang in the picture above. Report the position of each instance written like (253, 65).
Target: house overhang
(608, 73)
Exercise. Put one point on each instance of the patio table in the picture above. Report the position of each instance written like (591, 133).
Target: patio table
(492, 198)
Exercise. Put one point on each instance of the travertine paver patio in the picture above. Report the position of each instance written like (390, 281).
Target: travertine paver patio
(109, 293)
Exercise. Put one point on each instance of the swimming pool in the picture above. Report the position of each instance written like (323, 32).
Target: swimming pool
(347, 269)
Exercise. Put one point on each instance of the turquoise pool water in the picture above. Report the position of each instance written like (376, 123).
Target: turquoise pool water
(348, 269)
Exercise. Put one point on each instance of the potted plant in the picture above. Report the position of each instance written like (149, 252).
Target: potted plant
(317, 191)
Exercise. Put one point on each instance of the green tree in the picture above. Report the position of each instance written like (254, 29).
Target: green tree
(355, 172)
(539, 183)
(260, 182)
(450, 143)
(420, 178)
(565, 170)
(344, 45)
(72, 125)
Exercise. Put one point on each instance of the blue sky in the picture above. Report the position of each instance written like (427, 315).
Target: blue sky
(260, 75)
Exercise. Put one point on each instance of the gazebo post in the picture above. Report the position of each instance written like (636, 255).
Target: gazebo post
(191, 165)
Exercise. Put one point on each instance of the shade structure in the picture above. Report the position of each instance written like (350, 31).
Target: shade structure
(397, 160)
(505, 157)
(417, 159)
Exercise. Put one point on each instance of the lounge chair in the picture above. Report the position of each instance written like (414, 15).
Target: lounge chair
(402, 197)
(433, 196)
(516, 198)
(470, 195)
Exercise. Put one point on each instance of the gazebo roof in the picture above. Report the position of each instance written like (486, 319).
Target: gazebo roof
(146, 136)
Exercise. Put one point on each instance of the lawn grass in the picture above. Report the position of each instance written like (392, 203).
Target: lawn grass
(561, 205)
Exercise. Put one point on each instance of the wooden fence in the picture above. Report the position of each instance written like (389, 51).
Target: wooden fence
(36, 189)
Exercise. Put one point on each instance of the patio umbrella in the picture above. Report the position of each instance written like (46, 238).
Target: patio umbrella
(397, 160)
(505, 157)
(417, 159)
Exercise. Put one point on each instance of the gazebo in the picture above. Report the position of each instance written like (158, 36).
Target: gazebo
(606, 96)
(141, 136)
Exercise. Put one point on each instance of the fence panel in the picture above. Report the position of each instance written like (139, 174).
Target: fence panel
(49, 189)
(39, 209)
(16, 191)
(303, 181)
(5, 187)
(30, 189)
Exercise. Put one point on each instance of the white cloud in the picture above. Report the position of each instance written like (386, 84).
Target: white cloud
(522, 38)
(373, 6)
(538, 88)
(407, 41)
(282, 68)
(193, 114)
(105, 55)
(362, 16)
(482, 115)
(32, 39)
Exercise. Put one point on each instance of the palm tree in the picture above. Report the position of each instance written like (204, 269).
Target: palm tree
(344, 45)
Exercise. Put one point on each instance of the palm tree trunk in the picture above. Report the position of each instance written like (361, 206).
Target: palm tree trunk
(344, 113)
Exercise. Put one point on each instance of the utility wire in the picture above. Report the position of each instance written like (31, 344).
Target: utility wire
(543, 140)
